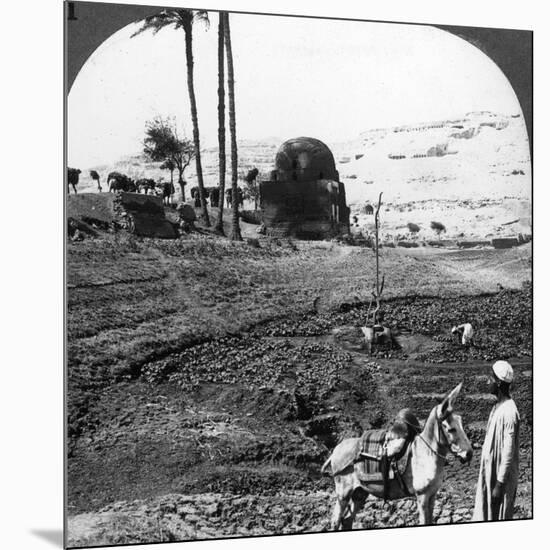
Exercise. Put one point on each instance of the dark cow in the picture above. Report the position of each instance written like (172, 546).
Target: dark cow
(72, 178)
(214, 193)
(195, 195)
(167, 189)
(229, 197)
(121, 182)
(145, 185)
(117, 181)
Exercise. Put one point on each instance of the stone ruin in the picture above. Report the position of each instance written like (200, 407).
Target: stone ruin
(303, 197)
(141, 215)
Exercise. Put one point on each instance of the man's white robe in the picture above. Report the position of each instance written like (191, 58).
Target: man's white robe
(499, 462)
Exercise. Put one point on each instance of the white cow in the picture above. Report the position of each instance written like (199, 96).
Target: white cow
(464, 333)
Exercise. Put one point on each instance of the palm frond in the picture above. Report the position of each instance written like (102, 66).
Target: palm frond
(178, 18)
(158, 21)
(201, 16)
(189, 17)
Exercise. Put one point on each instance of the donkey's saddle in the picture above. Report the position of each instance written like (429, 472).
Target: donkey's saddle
(372, 463)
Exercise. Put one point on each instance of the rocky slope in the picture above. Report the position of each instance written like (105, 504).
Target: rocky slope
(472, 173)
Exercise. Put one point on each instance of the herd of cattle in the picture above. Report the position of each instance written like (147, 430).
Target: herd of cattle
(117, 181)
(213, 195)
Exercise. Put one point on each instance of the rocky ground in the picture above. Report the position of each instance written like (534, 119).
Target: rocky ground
(228, 465)
(222, 433)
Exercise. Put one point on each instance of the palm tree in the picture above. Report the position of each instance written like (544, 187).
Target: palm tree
(236, 230)
(184, 19)
(221, 122)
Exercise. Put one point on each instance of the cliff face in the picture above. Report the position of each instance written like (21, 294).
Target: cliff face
(482, 155)
(473, 174)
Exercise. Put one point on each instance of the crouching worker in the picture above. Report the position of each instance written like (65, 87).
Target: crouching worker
(464, 333)
(404, 428)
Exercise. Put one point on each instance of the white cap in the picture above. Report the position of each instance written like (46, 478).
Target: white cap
(503, 371)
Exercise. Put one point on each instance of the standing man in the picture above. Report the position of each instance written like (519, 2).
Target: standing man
(498, 475)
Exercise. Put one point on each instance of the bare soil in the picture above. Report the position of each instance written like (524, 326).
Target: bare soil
(205, 391)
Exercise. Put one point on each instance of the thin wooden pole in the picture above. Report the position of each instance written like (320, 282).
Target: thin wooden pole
(376, 222)
(378, 290)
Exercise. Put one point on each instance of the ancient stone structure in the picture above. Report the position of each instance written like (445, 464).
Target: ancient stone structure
(303, 197)
(141, 215)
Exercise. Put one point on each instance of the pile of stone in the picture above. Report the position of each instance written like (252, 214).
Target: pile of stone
(142, 215)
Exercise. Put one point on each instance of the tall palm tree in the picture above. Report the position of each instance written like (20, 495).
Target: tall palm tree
(184, 19)
(221, 121)
(236, 230)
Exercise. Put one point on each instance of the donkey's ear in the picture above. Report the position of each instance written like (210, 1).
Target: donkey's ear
(443, 409)
(453, 395)
(446, 406)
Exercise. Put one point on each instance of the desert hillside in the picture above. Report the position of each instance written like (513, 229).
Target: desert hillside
(473, 174)
(481, 156)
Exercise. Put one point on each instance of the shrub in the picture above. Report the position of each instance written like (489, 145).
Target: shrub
(413, 227)
(438, 227)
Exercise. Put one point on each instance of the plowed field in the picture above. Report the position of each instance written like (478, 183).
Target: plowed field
(205, 391)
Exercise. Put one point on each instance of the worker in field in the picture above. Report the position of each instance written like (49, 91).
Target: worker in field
(464, 333)
(498, 475)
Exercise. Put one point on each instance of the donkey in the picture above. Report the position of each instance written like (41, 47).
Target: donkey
(423, 476)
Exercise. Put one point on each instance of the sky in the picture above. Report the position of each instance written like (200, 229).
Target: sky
(293, 77)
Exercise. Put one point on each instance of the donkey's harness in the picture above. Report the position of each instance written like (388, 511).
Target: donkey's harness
(398, 464)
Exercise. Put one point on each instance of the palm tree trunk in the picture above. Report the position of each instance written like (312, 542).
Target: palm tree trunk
(221, 122)
(181, 182)
(236, 230)
(194, 117)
